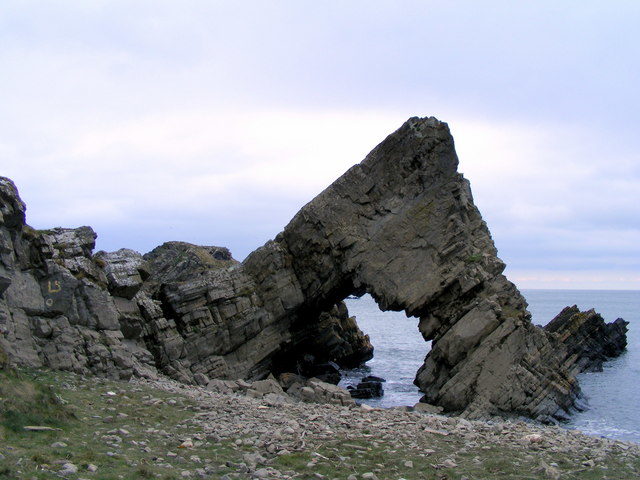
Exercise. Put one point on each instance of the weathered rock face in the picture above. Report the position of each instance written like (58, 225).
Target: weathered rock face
(54, 307)
(125, 271)
(401, 225)
(191, 311)
(588, 340)
(215, 321)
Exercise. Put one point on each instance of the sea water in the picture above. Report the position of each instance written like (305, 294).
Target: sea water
(613, 395)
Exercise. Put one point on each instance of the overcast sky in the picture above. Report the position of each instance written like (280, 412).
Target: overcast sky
(214, 122)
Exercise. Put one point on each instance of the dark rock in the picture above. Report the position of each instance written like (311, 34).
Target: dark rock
(287, 379)
(12, 210)
(317, 391)
(373, 378)
(335, 337)
(588, 340)
(367, 389)
(328, 372)
(4, 283)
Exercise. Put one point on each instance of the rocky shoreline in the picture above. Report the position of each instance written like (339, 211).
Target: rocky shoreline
(165, 429)
(401, 225)
(289, 427)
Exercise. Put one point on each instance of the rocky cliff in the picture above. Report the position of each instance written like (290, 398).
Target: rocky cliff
(190, 311)
(55, 309)
(401, 225)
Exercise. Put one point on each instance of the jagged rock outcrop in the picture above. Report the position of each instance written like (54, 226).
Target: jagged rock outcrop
(187, 310)
(588, 340)
(54, 308)
(401, 225)
(125, 271)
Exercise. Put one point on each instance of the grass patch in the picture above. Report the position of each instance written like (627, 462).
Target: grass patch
(475, 258)
(128, 433)
(31, 232)
(26, 402)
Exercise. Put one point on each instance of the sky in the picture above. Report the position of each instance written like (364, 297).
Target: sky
(215, 122)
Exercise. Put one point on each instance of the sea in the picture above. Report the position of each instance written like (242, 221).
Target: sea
(613, 395)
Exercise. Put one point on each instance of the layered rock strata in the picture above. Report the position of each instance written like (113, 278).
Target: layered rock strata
(587, 339)
(190, 311)
(401, 225)
(55, 309)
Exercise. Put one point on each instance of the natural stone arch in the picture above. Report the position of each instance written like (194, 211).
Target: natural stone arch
(402, 226)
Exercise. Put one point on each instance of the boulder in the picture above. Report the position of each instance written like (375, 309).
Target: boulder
(287, 379)
(201, 379)
(267, 386)
(317, 391)
(125, 271)
(222, 386)
(368, 387)
(422, 407)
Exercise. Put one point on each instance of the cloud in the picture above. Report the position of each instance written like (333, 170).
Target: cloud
(207, 168)
(574, 280)
(236, 178)
(214, 122)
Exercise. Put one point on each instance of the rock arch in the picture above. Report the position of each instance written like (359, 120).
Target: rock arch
(401, 225)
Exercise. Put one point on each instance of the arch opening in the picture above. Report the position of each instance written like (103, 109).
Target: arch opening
(399, 351)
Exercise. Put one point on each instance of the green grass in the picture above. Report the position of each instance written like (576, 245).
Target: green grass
(78, 406)
(24, 402)
(32, 232)
(34, 398)
(475, 258)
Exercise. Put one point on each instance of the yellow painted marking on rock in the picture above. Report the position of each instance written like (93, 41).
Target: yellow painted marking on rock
(56, 286)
